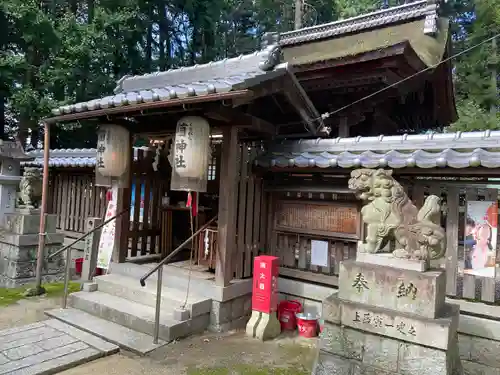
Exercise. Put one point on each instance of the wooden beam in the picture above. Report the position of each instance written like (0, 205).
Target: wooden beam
(227, 206)
(243, 120)
(294, 98)
(386, 77)
(345, 72)
(372, 56)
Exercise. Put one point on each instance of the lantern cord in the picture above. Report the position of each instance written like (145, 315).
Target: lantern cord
(191, 219)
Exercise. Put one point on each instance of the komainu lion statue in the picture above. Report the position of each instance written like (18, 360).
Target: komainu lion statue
(389, 215)
(30, 186)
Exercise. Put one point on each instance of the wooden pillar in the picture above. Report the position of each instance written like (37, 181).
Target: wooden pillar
(227, 206)
(344, 127)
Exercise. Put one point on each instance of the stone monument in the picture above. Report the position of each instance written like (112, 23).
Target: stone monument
(389, 316)
(19, 224)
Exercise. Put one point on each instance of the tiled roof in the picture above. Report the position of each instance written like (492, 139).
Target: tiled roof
(385, 17)
(69, 158)
(455, 150)
(198, 80)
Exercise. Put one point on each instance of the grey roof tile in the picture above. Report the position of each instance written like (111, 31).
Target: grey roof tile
(455, 150)
(385, 17)
(198, 80)
(69, 158)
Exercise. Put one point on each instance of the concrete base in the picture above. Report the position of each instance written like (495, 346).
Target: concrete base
(389, 260)
(230, 315)
(268, 327)
(389, 321)
(420, 293)
(347, 351)
(181, 314)
(19, 250)
(6, 282)
(252, 324)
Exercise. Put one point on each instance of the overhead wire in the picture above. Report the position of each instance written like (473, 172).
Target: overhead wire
(431, 67)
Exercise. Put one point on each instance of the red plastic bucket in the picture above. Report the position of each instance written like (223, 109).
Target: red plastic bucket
(286, 314)
(307, 324)
(78, 266)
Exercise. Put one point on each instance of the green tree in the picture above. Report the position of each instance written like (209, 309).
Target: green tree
(476, 72)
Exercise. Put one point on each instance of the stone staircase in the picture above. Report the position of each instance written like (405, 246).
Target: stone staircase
(117, 309)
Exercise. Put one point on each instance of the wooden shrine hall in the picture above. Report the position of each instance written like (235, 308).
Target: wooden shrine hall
(363, 76)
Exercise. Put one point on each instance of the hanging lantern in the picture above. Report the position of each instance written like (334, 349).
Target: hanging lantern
(191, 147)
(113, 150)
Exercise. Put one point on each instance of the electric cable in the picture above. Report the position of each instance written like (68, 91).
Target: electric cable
(431, 67)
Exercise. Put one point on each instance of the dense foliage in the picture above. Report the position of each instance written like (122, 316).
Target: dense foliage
(59, 51)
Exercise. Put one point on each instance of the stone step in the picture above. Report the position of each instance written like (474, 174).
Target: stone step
(173, 277)
(130, 289)
(125, 338)
(137, 316)
(200, 283)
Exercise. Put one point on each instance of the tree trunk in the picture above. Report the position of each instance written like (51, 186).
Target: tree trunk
(298, 14)
(162, 36)
(494, 82)
(3, 120)
(149, 42)
(35, 136)
(90, 11)
(73, 6)
(82, 90)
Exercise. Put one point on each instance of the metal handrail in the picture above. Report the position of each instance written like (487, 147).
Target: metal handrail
(159, 268)
(68, 247)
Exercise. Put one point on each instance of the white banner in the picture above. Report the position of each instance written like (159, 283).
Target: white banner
(107, 240)
(480, 239)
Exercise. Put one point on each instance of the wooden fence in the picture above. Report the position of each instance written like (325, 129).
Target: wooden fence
(145, 224)
(251, 214)
(300, 217)
(294, 249)
(73, 197)
(461, 283)
(251, 220)
(257, 232)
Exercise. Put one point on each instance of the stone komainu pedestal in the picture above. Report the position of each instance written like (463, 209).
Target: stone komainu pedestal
(388, 321)
(19, 246)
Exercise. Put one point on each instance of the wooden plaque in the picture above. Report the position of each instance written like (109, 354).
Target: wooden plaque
(328, 219)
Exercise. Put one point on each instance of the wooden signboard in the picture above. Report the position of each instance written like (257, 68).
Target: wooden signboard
(329, 219)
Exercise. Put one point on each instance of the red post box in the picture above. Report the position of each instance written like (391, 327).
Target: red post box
(265, 284)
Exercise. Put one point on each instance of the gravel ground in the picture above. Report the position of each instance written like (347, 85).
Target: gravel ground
(213, 354)
(26, 311)
(206, 354)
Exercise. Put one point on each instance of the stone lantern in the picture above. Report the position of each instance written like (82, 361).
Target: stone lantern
(11, 155)
(19, 226)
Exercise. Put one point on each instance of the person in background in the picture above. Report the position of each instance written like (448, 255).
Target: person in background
(481, 253)
(469, 241)
(470, 226)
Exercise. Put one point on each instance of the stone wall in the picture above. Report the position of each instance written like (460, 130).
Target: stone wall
(19, 250)
(479, 345)
(231, 314)
(311, 296)
(478, 338)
